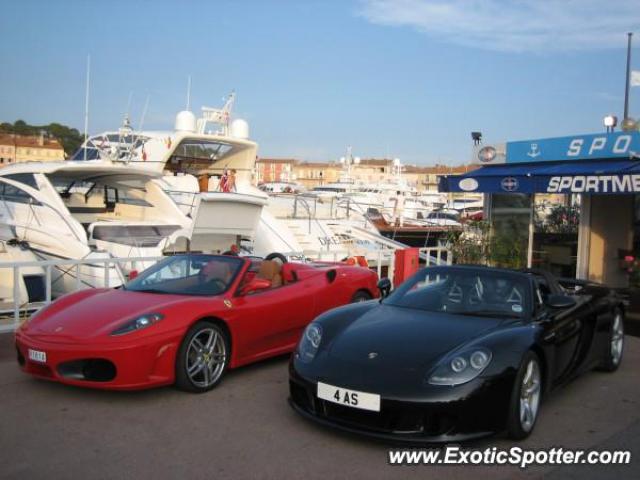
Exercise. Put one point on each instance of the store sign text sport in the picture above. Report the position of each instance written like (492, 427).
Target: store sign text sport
(594, 184)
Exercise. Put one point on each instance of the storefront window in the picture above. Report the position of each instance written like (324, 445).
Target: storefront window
(510, 217)
(555, 239)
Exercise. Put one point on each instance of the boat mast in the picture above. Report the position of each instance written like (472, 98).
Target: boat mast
(144, 113)
(86, 107)
(188, 93)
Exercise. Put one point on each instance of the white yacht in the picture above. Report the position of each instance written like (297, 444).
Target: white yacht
(192, 163)
(30, 286)
(89, 210)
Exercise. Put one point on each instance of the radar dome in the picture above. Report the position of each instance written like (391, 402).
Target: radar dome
(186, 121)
(239, 129)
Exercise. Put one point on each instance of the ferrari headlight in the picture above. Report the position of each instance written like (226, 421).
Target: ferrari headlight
(138, 323)
(461, 367)
(310, 342)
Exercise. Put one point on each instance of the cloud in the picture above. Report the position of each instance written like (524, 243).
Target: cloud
(513, 25)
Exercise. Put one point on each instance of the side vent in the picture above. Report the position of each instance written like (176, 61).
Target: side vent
(331, 275)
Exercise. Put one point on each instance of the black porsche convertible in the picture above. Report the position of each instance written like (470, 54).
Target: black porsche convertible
(455, 353)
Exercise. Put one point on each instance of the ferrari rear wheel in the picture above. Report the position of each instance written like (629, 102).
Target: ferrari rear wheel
(361, 296)
(616, 344)
(525, 398)
(203, 358)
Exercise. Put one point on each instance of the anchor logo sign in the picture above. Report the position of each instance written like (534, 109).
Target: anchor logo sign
(534, 151)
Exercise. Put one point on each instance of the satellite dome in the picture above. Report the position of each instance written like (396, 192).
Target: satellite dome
(239, 129)
(186, 121)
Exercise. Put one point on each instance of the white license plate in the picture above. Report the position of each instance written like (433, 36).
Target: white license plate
(349, 398)
(38, 356)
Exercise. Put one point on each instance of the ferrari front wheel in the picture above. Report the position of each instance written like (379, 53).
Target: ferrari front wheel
(525, 398)
(203, 357)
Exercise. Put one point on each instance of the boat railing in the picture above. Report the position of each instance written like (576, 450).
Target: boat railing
(431, 256)
(47, 265)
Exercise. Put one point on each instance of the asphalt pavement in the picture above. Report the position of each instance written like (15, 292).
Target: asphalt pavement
(245, 429)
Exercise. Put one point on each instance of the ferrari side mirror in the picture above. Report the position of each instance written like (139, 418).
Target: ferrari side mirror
(255, 285)
(384, 285)
(560, 301)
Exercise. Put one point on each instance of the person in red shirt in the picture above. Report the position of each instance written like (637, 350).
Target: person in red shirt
(224, 185)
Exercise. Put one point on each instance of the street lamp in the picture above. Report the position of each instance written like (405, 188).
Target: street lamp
(629, 124)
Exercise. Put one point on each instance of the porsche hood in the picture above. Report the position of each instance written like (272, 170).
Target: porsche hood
(404, 338)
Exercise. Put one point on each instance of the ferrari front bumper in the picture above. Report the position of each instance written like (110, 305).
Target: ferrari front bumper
(138, 363)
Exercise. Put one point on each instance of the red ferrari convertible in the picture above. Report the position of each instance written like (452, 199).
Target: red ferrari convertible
(185, 320)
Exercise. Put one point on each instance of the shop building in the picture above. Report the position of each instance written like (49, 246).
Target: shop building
(569, 204)
(28, 148)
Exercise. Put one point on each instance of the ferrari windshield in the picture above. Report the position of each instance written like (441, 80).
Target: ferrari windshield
(188, 275)
(465, 291)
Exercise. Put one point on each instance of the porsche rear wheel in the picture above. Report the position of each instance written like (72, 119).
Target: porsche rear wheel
(203, 358)
(525, 398)
(616, 344)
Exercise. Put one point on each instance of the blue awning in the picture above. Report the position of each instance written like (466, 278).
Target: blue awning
(600, 177)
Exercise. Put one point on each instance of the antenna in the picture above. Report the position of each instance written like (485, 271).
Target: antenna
(189, 93)
(144, 113)
(86, 106)
(128, 111)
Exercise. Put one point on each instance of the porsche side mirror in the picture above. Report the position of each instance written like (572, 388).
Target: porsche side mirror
(255, 285)
(384, 285)
(560, 301)
(133, 274)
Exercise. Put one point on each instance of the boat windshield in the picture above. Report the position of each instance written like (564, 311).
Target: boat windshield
(465, 291)
(193, 154)
(188, 275)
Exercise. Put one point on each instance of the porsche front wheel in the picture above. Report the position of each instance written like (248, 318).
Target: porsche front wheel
(525, 398)
(203, 358)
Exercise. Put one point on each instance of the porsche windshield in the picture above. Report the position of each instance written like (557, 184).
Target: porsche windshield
(465, 291)
(188, 275)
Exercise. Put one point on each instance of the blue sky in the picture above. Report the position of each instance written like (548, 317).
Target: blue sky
(400, 78)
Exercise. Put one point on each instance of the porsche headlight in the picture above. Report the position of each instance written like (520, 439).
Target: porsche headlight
(461, 367)
(310, 342)
(138, 323)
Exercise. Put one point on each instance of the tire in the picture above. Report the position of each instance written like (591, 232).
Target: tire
(207, 365)
(520, 425)
(361, 296)
(277, 256)
(615, 347)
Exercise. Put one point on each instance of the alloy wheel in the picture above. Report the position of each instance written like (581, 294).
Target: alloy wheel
(617, 339)
(206, 357)
(530, 395)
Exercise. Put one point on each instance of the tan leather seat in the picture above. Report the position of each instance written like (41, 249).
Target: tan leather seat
(270, 270)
